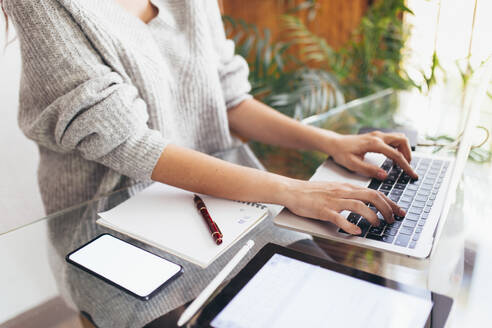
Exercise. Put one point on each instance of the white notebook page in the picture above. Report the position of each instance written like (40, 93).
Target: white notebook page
(166, 217)
(290, 293)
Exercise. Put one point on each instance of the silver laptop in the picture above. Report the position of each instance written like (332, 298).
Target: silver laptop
(425, 200)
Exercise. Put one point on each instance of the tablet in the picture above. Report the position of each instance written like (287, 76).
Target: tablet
(281, 287)
(121, 264)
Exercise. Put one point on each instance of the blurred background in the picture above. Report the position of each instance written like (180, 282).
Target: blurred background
(307, 58)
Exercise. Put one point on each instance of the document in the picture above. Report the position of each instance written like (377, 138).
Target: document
(290, 293)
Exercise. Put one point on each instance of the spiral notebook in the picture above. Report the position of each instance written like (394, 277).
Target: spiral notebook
(166, 217)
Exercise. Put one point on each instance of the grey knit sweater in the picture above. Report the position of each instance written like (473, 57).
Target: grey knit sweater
(103, 93)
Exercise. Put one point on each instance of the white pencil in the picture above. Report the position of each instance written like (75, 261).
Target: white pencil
(214, 284)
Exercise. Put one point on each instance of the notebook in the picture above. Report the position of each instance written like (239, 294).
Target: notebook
(166, 218)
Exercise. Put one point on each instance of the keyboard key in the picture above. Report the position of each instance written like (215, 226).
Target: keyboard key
(412, 217)
(406, 199)
(395, 169)
(421, 198)
(427, 209)
(374, 184)
(417, 203)
(415, 210)
(395, 224)
(402, 240)
(396, 192)
(386, 187)
(406, 230)
(418, 230)
(421, 223)
(412, 244)
(415, 161)
(425, 216)
(426, 187)
(412, 187)
(394, 198)
(403, 180)
(387, 165)
(402, 203)
(410, 193)
(416, 236)
(373, 208)
(390, 180)
(391, 231)
(409, 223)
(388, 239)
(399, 186)
(353, 218)
(364, 225)
(376, 230)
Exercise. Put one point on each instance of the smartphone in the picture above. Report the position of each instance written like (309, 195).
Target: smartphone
(125, 266)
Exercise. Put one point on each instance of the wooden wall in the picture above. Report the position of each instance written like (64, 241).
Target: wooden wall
(335, 19)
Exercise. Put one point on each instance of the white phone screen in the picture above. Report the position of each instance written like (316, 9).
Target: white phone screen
(125, 265)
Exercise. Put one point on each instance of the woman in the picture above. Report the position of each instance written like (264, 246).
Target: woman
(119, 91)
(116, 92)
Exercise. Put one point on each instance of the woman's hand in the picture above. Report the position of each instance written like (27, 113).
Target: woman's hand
(349, 151)
(325, 200)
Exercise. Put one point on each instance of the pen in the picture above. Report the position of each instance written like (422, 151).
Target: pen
(214, 284)
(212, 226)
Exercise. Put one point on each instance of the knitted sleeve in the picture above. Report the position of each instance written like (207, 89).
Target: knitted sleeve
(233, 69)
(71, 101)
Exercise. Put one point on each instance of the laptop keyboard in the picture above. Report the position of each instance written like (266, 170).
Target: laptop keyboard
(416, 197)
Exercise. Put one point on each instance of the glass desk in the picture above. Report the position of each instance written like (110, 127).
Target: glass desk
(459, 266)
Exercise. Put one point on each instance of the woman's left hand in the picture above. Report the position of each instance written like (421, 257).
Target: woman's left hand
(349, 151)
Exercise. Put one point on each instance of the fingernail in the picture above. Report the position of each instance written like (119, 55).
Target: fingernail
(381, 175)
(401, 212)
(358, 231)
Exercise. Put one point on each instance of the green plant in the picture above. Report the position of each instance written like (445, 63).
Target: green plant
(293, 89)
(371, 61)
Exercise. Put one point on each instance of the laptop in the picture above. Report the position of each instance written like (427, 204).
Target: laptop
(426, 200)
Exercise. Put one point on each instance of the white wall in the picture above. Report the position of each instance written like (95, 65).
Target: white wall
(20, 202)
(25, 277)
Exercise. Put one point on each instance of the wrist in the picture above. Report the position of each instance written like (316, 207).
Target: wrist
(287, 191)
(327, 141)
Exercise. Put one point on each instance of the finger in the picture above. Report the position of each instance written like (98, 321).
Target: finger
(368, 169)
(360, 208)
(343, 224)
(400, 141)
(397, 210)
(396, 156)
(376, 198)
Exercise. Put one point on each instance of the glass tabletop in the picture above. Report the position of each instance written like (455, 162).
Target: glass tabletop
(458, 266)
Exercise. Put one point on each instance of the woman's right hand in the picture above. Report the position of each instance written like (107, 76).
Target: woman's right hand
(325, 200)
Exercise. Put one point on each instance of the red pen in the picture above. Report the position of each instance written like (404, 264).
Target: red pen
(212, 226)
